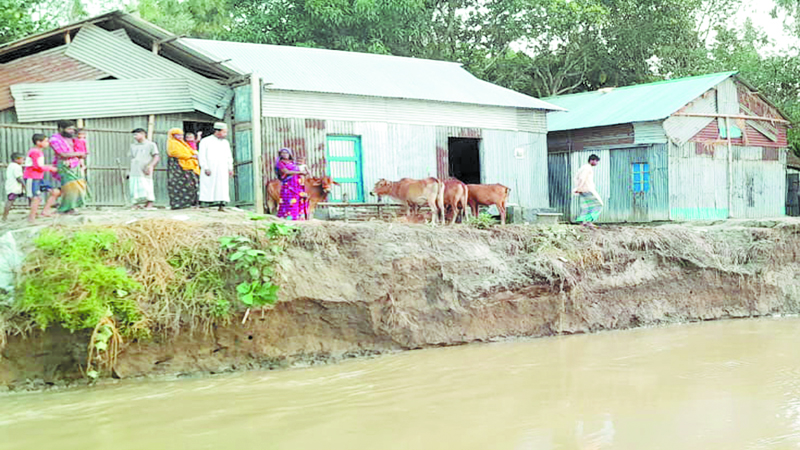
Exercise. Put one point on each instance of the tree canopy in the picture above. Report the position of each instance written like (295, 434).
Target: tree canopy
(538, 47)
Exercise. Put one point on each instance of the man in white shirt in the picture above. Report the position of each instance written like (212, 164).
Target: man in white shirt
(591, 203)
(216, 166)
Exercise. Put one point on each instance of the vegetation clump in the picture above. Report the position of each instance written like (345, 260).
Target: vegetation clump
(128, 282)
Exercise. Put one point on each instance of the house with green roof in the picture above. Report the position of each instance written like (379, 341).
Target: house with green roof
(700, 148)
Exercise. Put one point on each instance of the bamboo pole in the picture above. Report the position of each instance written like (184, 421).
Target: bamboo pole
(255, 127)
(730, 168)
(151, 119)
(732, 116)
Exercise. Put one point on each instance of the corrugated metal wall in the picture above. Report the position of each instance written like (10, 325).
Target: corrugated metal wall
(293, 104)
(243, 148)
(759, 186)
(625, 205)
(698, 183)
(649, 132)
(125, 60)
(613, 178)
(681, 129)
(526, 173)
(559, 179)
(394, 151)
(103, 98)
(109, 141)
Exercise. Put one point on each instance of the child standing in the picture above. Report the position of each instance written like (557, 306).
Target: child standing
(35, 184)
(15, 186)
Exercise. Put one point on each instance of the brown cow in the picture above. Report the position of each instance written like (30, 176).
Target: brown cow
(455, 198)
(414, 193)
(316, 188)
(487, 195)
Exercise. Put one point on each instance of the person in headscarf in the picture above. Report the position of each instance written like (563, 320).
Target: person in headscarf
(292, 204)
(183, 171)
(70, 174)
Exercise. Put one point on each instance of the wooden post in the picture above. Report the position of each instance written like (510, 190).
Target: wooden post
(730, 167)
(67, 38)
(255, 127)
(151, 119)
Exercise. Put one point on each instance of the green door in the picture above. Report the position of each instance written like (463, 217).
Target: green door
(344, 166)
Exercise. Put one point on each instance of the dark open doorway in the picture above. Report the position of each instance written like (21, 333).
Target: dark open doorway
(207, 128)
(464, 159)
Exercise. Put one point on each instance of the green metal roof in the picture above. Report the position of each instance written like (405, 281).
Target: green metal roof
(639, 103)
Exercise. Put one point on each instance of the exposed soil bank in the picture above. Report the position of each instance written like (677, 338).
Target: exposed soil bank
(355, 289)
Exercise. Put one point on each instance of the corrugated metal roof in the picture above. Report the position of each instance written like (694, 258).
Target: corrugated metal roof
(338, 72)
(50, 65)
(640, 103)
(125, 60)
(104, 98)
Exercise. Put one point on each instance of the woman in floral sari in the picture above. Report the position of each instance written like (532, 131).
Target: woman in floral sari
(183, 171)
(292, 205)
(70, 172)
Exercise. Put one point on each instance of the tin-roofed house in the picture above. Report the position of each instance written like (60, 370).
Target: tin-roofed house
(698, 148)
(356, 117)
(361, 117)
(110, 73)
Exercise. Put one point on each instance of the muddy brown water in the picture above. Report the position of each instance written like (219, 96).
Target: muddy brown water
(733, 384)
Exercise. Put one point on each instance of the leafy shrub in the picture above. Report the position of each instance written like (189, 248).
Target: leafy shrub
(71, 281)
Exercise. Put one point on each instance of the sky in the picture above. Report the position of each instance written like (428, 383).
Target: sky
(759, 12)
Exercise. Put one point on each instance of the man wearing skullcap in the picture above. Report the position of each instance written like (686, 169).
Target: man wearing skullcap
(216, 166)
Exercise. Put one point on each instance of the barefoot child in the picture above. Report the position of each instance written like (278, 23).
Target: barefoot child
(15, 186)
(35, 184)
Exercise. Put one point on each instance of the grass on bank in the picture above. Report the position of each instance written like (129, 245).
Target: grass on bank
(129, 282)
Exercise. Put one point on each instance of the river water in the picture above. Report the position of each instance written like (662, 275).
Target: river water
(718, 385)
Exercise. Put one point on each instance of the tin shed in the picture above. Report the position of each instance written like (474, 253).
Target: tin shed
(697, 148)
(361, 117)
(111, 73)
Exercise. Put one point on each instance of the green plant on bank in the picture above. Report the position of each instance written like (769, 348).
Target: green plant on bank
(255, 265)
(484, 221)
(72, 282)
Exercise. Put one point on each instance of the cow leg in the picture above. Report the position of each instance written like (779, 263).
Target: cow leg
(271, 207)
(473, 205)
(502, 208)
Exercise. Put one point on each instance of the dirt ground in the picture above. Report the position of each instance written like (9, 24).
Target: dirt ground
(351, 289)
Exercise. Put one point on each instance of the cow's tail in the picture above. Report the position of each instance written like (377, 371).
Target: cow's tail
(464, 203)
(440, 200)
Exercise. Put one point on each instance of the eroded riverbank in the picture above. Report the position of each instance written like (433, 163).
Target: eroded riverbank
(356, 289)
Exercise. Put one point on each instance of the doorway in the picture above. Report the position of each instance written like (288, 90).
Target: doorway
(464, 159)
(206, 128)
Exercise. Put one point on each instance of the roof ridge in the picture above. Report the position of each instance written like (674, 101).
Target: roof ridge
(652, 83)
(301, 48)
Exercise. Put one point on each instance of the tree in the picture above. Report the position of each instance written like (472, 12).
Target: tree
(397, 27)
(194, 18)
(17, 20)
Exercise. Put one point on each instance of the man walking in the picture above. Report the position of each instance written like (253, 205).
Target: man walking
(591, 203)
(216, 166)
(144, 157)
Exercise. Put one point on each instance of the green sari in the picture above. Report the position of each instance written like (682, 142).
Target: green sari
(73, 187)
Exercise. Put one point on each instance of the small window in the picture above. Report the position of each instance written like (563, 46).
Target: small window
(641, 177)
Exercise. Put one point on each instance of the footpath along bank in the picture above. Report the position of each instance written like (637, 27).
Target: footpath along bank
(167, 294)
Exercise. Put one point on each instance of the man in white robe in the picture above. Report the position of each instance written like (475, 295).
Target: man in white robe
(216, 166)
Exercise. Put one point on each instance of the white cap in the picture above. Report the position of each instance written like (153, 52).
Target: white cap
(220, 126)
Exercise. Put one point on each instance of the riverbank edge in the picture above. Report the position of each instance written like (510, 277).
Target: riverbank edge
(354, 330)
(403, 294)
